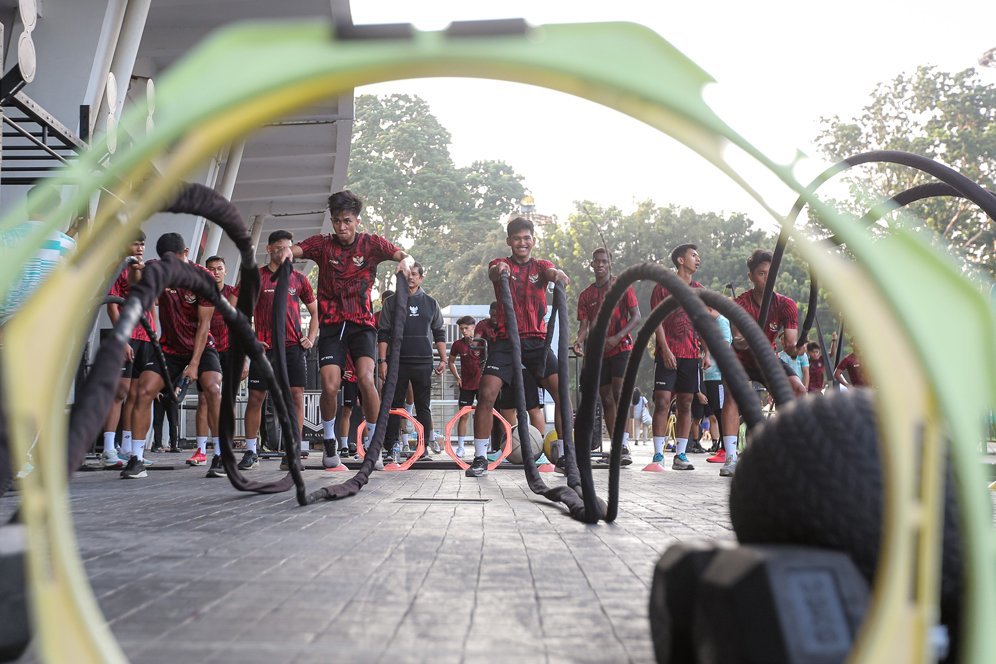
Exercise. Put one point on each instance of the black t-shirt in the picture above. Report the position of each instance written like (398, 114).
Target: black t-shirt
(423, 326)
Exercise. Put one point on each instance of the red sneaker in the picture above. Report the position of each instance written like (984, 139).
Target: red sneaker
(198, 459)
(719, 457)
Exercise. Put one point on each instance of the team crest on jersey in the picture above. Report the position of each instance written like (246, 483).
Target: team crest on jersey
(773, 327)
(533, 278)
(335, 261)
(413, 310)
(358, 261)
(292, 291)
(189, 298)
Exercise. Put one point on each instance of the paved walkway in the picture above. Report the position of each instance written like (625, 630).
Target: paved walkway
(187, 569)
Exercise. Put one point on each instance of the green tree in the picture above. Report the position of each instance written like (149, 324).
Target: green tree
(950, 117)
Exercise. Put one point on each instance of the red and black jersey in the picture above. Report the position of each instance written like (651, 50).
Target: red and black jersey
(121, 288)
(218, 328)
(299, 292)
(178, 311)
(783, 315)
(486, 330)
(681, 336)
(471, 355)
(855, 373)
(527, 282)
(589, 303)
(346, 275)
(816, 375)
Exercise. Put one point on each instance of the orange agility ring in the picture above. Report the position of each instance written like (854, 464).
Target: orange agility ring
(504, 452)
(419, 448)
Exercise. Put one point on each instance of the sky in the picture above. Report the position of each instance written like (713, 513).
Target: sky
(779, 65)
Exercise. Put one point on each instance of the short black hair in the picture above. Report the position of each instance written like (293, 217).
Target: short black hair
(278, 235)
(519, 224)
(680, 251)
(466, 320)
(636, 395)
(139, 236)
(215, 259)
(493, 306)
(602, 250)
(757, 258)
(345, 201)
(170, 242)
(813, 345)
(418, 266)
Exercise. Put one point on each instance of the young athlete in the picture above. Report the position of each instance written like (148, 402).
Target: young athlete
(189, 349)
(528, 278)
(618, 342)
(347, 262)
(296, 343)
(679, 363)
(471, 352)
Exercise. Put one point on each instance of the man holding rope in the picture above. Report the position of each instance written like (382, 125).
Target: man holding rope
(527, 278)
(347, 268)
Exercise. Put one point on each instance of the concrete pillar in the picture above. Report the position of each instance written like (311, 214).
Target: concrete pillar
(225, 187)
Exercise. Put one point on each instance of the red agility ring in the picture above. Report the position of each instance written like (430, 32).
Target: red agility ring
(504, 452)
(393, 467)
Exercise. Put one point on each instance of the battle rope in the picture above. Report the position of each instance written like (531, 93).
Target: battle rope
(575, 504)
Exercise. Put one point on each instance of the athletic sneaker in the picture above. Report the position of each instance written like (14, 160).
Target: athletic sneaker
(134, 470)
(626, 458)
(478, 467)
(198, 458)
(112, 459)
(249, 460)
(681, 462)
(695, 448)
(460, 451)
(719, 457)
(658, 458)
(330, 459)
(352, 449)
(729, 467)
(425, 456)
(216, 469)
(436, 449)
(379, 463)
(123, 458)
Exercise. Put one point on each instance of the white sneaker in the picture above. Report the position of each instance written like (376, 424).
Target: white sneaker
(729, 467)
(110, 459)
(379, 463)
(460, 451)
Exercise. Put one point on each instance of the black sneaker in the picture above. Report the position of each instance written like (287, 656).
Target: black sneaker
(696, 448)
(330, 459)
(561, 465)
(134, 470)
(157, 448)
(352, 449)
(626, 458)
(249, 460)
(216, 469)
(478, 468)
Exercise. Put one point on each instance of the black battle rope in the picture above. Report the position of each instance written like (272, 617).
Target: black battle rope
(964, 187)
(156, 346)
(353, 485)
(563, 390)
(683, 294)
(558, 494)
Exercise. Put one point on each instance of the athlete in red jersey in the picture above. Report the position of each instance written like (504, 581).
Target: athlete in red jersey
(189, 350)
(528, 278)
(618, 342)
(855, 372)
(679, 363)
(296, 344)
(783, 315)
(817, 368)
(347, 268)
(137, 353)
(471, 352)
(219, 333)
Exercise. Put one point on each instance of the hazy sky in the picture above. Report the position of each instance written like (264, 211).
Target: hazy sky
(780, 65)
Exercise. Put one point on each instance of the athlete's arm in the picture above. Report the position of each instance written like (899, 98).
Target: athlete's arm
(582, 337)
(453, 369)
(404, 266)
(309, 341)
(496, 270)
(438, 336)
(441, 349)
(634, 319)
(663, 350)
(204, 315)
(789, 344)
(838, 375)
(553, 274)
(805, 377)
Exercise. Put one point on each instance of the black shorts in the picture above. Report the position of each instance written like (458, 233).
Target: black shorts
(175, 364)
(614, 367)
(466, 398)
(143, 353)
(699, 409)
(334, 341)
(537, 360)
(506, 398)
(297, 370)
(350, 394)
(686, 378)
(716, 394)
(754, 374)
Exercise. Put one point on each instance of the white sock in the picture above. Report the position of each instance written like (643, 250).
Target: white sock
(460, 440)
(202, 442)
(658, 444)
(404, 438)
(682, 445)
(343, 442)
(410, 407)
(730, 445)
(371, 427)
(217, 445)
(625, 439)
(138, 449)
(251, 444)
(328, 429)
(481, 447)
(305, 446)
(109, 443)
(559, 445)
(126, 445)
